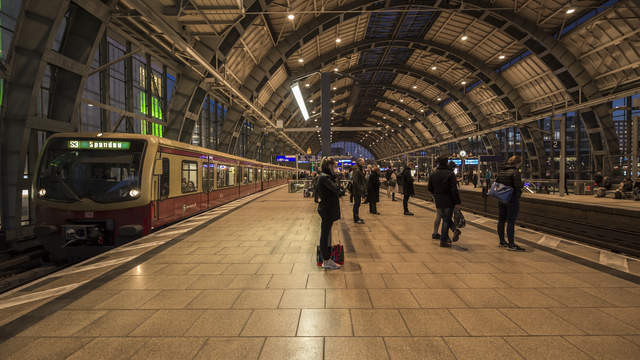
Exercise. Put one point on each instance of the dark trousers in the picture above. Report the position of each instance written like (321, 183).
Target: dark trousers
(405, 202)
(372, 207)
(325, 238)
(509, 214)
(445, 214)
(357, 198)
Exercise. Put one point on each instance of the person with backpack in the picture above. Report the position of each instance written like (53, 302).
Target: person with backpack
(407, 188)
(329, 193)
(392, 184)
(358, 187)
(443, 186)
(509, 175)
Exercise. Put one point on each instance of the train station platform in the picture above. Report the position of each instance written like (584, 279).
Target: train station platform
(240, 282)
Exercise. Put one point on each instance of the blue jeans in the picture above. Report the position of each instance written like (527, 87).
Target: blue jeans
(445, 214)
(509, 214)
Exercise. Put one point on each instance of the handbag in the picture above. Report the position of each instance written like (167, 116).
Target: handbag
(458, 219)
(337, 254)
(502, 192)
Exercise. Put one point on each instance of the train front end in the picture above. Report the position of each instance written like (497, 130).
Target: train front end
(92, 193)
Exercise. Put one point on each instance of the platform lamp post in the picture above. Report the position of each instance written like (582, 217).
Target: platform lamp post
(563, 155)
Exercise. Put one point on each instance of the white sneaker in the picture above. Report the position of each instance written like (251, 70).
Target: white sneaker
(330, 265)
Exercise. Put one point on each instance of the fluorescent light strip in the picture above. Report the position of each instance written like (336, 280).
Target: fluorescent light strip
(298, 95)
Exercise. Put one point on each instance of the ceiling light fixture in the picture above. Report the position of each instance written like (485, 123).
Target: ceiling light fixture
(297, 93)
(415, 86)
(439, 99)
(335, 69)
(571, 11)
(338, 40)
(463, 82)
(300, 60)
(306, 85)
(434, 68)
(311, 100)
(501, 57)
(291, 16)
(464, 38)
(335, 88)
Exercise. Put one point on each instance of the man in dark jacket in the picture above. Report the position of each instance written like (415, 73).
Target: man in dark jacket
(357, 189)
(329, 193)
(373, 190)
(510, 175)
(407, 187)
(443, 186)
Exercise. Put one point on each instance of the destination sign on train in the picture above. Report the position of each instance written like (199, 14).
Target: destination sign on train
(99, 145)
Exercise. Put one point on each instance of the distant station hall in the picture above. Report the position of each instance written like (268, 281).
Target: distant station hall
(319, 179)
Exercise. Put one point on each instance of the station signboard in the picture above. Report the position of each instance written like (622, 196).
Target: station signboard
(285, 158)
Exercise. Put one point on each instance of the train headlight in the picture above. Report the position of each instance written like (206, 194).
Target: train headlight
(134, 193)
(42, 192)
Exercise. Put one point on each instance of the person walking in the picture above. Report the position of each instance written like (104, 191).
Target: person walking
(357, 189)
(373, 190)
(329, 209)
(407, 188)
(508, 213)
(393, 185)
(443, 186)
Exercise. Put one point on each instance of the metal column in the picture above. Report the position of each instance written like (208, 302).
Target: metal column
(634, 146)
(563, 155)
(325, 121)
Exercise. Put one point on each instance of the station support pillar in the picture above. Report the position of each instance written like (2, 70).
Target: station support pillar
(563, 156)
(325, 122)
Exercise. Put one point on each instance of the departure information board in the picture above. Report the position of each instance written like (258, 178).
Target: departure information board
(99, 145)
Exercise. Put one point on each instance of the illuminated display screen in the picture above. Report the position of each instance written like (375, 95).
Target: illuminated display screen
(471, 161)
(99, 145)
(285, 158)
(457, 161)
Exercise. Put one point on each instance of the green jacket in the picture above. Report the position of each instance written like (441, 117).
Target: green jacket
(357, 181)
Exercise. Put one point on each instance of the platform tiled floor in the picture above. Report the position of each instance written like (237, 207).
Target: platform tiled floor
(247, 287)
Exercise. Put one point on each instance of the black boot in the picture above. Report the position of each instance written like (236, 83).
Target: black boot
(445, 243)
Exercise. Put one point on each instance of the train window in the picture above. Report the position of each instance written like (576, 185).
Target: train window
(208, 171)
(222, 176)
(189, 176)
(245, 175)
(251, 175)
(164, 179)
(231, 176)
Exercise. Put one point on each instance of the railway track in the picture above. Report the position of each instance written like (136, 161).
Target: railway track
(613, 229)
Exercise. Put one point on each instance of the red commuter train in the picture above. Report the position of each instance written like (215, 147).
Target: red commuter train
(94, 191)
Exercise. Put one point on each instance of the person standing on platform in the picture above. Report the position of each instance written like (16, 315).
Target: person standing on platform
(392, 185)
(443, 186)
(508, 213)
(329, 193)
(373, 190)
(357, 189)
(407, 188)
(475, 179)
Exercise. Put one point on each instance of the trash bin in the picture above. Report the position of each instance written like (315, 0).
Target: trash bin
(578, 187)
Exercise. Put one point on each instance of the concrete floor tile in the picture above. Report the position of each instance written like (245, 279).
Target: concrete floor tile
(410, 268)
(486, 322)
(378, 323)
(598, 279)
(293, 348)
(214, 299)
(116, 323)
(596, 322)
(208, 269)
(168, 323)
(259, 299)
(267, 259)
(616, 296)
(432, 322)
(437, 298)
(528, 298)
(481, 281)
(242, 269)
(431, 348)
(442, 281)
(546, 348)
(250, 282)
(606, 347)
(481, 348)
(212, 282)
(445, 267)
(281, 322)
(325, 322)
(175, 269)
(630, 315)
(49, 349)
(169, 348)
(392, 298)
(634, 339)
(275, 269)
(574, 297)
(340, 348)
(560, 280)
(365, 281)
(541, 322)
(171, 299)
(145, 269)
(91, 300)
(347, 298)
(483, 298)
(403, 281)
(377, 268)
(109, 348)
(303, 299)
(63, 323)
(128, 299)
(219, 323)
(8, 346)
(231, 348)
(520, 280)
(288, 281)
(326, 280)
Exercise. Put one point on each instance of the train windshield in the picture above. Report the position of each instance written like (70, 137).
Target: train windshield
(103, 170)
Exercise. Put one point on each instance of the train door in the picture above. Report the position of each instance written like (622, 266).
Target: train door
(208, 182)
(161, 178)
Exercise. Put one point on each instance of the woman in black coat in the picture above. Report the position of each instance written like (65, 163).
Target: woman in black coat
(329, 194)
(373, 190)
